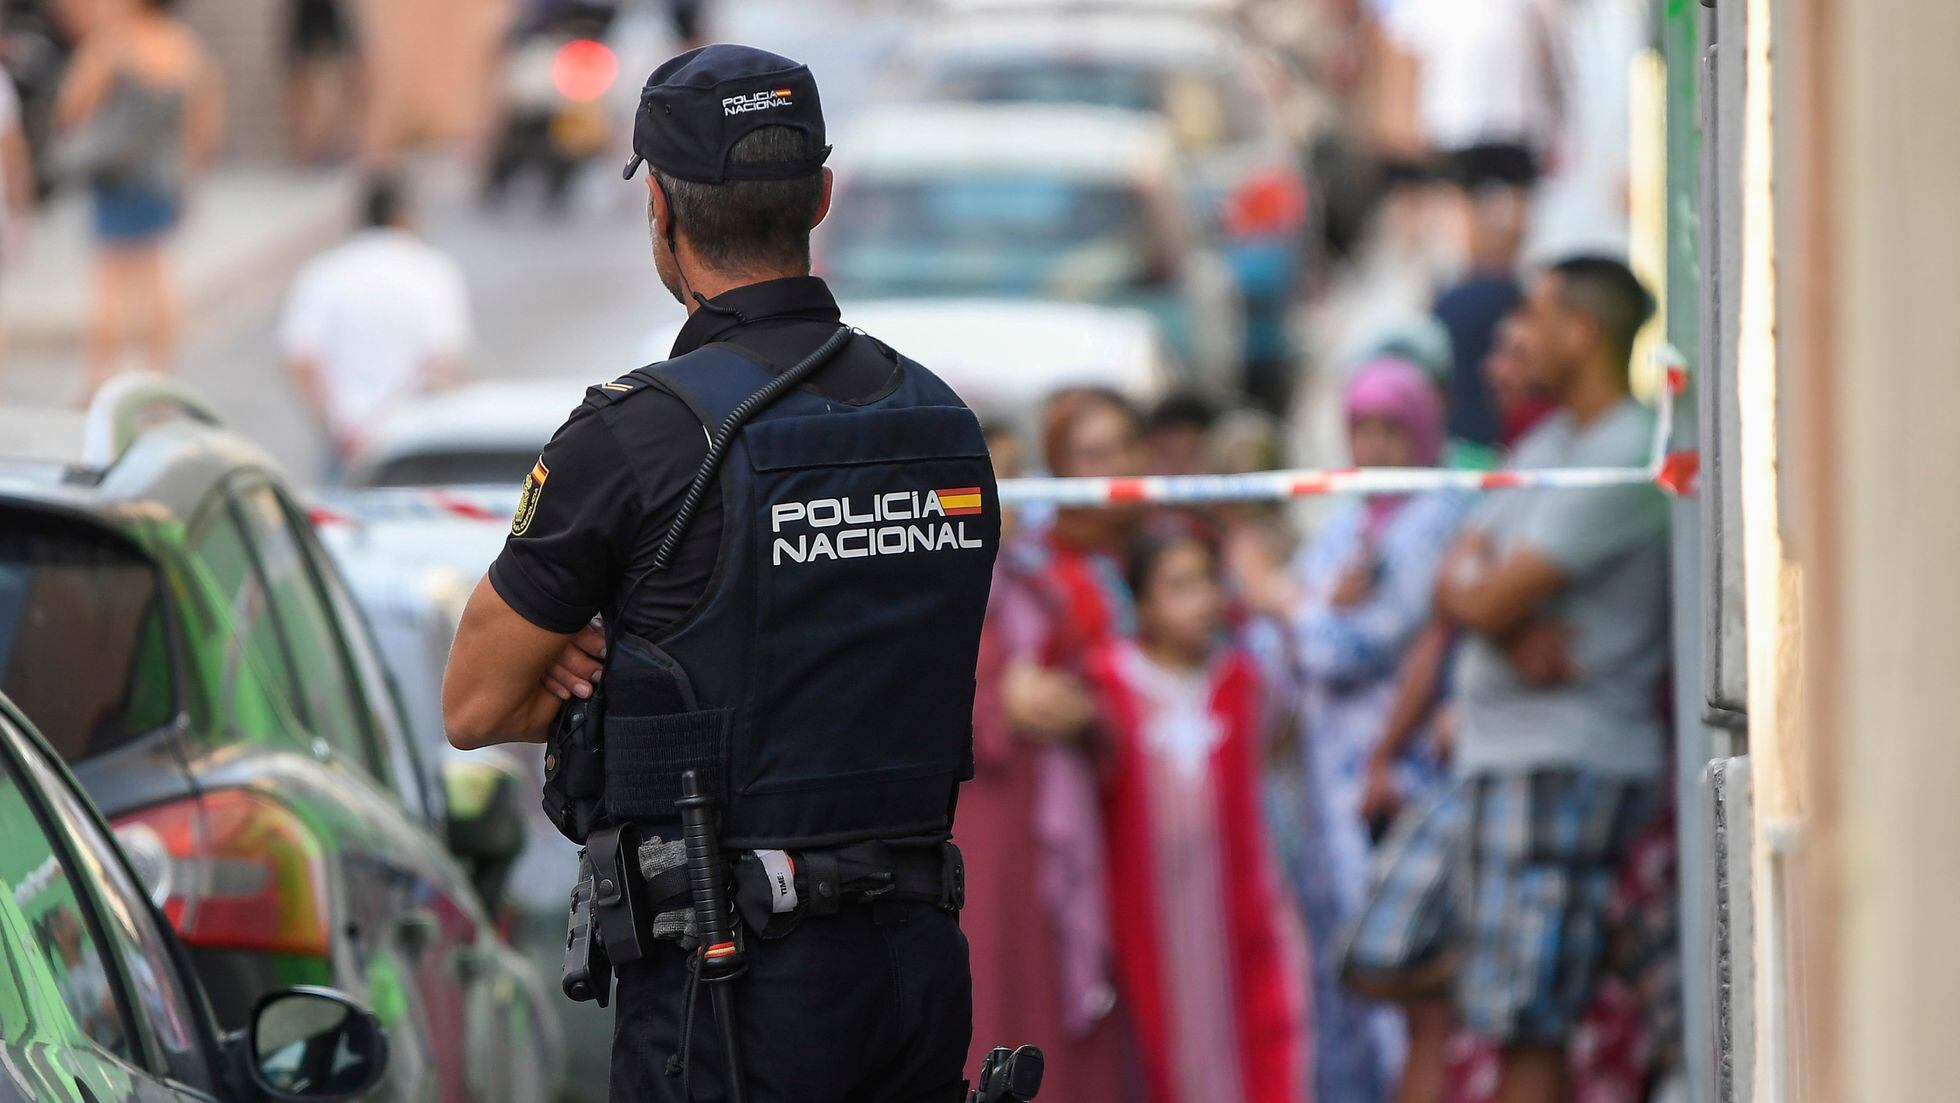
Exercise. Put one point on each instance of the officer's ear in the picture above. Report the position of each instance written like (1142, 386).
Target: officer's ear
(823, 201)
(657, 212)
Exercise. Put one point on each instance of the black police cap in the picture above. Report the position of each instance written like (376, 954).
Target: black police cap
(696, 106)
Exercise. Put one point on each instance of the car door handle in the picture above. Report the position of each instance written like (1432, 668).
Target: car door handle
(417, 929)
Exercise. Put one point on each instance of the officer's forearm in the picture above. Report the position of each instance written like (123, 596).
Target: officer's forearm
(493, 690)
(528, 722)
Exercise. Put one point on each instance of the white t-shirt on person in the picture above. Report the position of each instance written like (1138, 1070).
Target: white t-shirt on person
(375, 314)
(1484, 69)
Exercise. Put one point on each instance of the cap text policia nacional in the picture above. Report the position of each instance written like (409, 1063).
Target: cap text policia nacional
(696, 106)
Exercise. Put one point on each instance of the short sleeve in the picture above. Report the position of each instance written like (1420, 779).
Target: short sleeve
(302, 325)
(1583, 530)
(577, 516)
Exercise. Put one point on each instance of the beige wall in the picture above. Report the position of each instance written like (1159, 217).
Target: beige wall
(247, 40)
(431, 64)
(1863, 795)
(430, 68)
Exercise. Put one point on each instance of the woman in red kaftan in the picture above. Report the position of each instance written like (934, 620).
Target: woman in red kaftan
(1036, 919)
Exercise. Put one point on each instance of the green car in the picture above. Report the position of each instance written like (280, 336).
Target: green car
(170, 623)
(97, 999)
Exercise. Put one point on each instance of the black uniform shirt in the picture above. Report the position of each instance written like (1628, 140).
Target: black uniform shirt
(614, 476)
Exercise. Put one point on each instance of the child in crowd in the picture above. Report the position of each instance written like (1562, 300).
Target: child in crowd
(1209, 960)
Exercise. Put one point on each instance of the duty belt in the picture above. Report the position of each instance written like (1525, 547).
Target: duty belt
(631, 893)
(774, 889)
(823, 880)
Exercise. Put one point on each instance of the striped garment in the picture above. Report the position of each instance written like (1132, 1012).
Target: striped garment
(1516, 871)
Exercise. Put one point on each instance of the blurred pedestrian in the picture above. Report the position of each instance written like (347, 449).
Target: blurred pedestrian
(1243, 441)
(1359, 595)
(689, 23)
(1562, 595)
(142, 111)
(374, 321)
(1509, 373)
(321, 78)
(1471, 308)
(1174, 432)
(1425, 342)
(1020, 988)
(1088, 431)
(17, 184)
(1210, 962)
(18, 187)
(1484, 82)
(1066, 599)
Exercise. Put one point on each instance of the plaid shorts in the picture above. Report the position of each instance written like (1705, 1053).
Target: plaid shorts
(1410, 919)
(1517, 872)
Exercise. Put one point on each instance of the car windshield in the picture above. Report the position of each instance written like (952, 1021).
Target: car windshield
(1205, 109)
(83, 647)
(484, 467)
(992, 234)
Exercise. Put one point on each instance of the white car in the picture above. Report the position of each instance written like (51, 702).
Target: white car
(476, 434)
(1039, 202)
(1005, 356)
(1239, 117)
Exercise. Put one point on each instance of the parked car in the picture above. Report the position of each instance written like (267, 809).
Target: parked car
(478, 434)
(1068, 203)
(1004, 356)
(424, 508)
(98, 1001)
(1228, 101)
(170, 622)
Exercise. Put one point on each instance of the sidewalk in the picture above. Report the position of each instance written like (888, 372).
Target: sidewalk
(247, 230)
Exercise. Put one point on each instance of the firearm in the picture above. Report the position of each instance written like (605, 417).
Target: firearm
(1008, 1076)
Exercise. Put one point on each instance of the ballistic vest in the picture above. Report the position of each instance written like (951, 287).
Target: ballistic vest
(823, 682)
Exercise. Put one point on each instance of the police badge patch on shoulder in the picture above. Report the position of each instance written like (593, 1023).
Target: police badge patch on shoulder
(527, 499)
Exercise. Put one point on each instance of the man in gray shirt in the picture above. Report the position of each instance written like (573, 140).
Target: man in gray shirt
(1561, 596)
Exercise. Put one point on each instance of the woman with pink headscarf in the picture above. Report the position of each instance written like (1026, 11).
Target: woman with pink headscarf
(1359, 592)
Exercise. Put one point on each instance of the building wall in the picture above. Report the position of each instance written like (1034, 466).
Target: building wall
(247, 41)
(1858, 831)
(429, 69)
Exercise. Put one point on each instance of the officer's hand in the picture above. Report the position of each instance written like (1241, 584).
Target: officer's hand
(579, 667)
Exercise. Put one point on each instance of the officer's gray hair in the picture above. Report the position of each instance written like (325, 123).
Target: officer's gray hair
(750, 225)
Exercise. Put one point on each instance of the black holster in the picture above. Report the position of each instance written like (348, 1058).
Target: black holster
(575, 767)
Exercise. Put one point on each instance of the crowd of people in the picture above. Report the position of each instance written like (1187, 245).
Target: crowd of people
(1380, 816)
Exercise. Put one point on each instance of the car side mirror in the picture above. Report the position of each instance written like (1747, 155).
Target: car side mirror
(314, 1044)
(485, 793)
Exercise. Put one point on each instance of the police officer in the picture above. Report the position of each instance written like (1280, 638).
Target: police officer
(804, 643)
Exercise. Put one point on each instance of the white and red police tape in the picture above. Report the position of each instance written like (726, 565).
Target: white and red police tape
(1674, 472)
